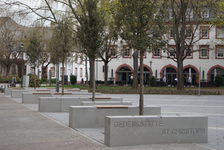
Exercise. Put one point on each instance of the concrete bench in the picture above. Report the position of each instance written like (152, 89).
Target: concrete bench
(93, 116)
(18, 93)
(107, 99)
(8, 91)
(142, 130)
(91, 103)
(32, 98)
(62, 103)
(44, 90)
(61, 93)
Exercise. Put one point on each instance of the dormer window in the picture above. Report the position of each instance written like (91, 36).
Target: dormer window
(205, 13)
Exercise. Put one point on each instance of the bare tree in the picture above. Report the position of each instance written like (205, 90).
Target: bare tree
(11, 36)
(185, 18)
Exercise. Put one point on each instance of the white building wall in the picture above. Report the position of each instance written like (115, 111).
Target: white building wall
(158, 64)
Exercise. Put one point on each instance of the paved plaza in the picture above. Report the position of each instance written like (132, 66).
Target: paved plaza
(22, 127)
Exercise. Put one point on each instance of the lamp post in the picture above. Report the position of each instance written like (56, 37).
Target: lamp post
(22, 67)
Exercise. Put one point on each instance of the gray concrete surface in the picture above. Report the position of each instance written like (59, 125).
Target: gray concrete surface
(211, 106)
(24, 129)
(142, 130)
(94, 116)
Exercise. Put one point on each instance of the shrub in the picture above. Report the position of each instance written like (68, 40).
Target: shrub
(73, 79)
(44, 81)
(5, 80)
(152, 81)
(9, 79)
(219, 81)
(34, 81)
(53, 81)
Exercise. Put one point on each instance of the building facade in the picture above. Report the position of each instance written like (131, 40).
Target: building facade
(205, 62)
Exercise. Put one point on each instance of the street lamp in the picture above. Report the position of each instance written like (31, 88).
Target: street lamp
(22, 68)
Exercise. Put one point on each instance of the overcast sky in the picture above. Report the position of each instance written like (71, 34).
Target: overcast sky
(29, 19)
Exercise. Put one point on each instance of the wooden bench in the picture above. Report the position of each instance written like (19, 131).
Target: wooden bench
(63, 94)
(111, 107)
(43, 90)
(101, 98)
(74, 90)
(41, 93)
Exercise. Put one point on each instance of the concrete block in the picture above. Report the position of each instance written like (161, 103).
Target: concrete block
(91, 103)
(33, 98)
(18, 93)
(8, 91)
(142, 130)
(66, 102)
(49, 104)
(93, 116)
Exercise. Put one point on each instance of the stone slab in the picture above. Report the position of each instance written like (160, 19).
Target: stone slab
(143, 130)
(93, 116)
(18, 93)
(33, 98)
(91, 103)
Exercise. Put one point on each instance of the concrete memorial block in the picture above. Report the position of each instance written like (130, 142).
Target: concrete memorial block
(93, 116)
(142, 130)
(18, 93)
(8, 91)
(91, 103)
(48, 104)
(33, 98)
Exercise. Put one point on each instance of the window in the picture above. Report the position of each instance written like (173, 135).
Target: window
(144, 55)
(81, 73)
(219, 32)
(203, 75)
(112, 73)
(156, 72)
(171, 51)
(52, 71)
(126, 52)
(205, 13)
(103, 68)
(204, 52)
(157, 53)
(204, 32)
(189, 52)
(76, 71)
(220, 51)
(189, 33)
(113, 50)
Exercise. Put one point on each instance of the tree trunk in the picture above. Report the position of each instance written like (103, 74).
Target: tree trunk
(92, 75)
(35, 81)
(63, 75)
(141, 90)
(57, 79)
(135, 66)
(105, 72)
(180, 81)
(86, 66)
(7, 70)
